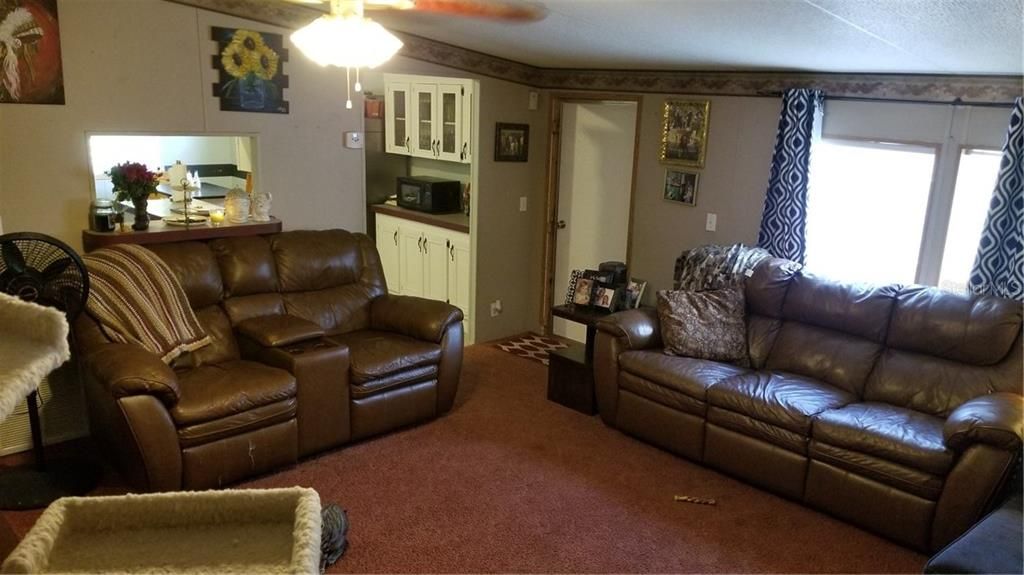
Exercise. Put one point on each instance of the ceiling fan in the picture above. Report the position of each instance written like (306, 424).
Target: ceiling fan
(344, 38)
(507, 10)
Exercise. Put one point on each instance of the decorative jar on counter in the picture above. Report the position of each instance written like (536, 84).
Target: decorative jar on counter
(102, 215)
(236, 206)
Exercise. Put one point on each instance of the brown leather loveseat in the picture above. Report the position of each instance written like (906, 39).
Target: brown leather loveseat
(896, 408)
(309, 352)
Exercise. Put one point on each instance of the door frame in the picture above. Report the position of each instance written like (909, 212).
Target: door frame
(551, 185)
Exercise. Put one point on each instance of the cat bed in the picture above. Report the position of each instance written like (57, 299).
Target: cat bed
(33, 342)
(230, 531)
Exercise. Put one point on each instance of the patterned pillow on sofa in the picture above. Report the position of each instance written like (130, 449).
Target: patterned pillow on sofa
(704, 324)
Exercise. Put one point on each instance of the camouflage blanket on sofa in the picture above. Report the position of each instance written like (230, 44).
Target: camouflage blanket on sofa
(715, 266)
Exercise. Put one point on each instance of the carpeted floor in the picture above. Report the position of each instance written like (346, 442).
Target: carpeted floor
(509, 482)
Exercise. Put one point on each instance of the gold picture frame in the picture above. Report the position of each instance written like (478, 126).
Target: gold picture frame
(684, 132)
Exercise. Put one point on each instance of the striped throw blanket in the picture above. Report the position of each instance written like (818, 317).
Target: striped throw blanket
(136, 299)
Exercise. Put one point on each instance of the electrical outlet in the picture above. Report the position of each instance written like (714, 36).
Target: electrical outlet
(522, 203)
(712, 222)
(496, 308)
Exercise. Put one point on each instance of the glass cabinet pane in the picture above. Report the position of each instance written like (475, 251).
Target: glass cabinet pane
(425, 103)
(399, 125)
(448, 109)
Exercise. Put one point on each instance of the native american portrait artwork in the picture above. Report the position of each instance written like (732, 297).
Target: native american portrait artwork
(30, 63)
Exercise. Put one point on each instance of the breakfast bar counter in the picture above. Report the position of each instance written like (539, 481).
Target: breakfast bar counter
(458, 222)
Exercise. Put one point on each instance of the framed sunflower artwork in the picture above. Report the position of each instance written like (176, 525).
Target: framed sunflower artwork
(251, 71)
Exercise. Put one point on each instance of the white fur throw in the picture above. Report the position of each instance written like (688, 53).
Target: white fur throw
(245, 531)
(33, 342)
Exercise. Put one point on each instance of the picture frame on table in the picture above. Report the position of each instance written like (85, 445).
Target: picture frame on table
(574, 276)
(606, 297)
(684, 132)
(584, 291)
(634, 293)
(511, 142)
(681, 186)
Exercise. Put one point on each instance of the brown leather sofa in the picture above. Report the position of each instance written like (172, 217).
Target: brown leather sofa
(896, 408)
(309, 352)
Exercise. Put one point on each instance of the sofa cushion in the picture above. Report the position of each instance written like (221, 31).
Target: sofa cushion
(837, 358)
(238, 423)
(196, 269)
(705, 325)
(786, 400)
(246, 265)
(394, 381)
(856, 309)
(314, 260)
(212, 392)
(902, 477)
(977, 330)
(377, 354)
(687, 375)
(766, 288)
(336, 310)
(893, 433)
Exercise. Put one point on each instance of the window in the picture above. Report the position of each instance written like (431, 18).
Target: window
(875, 215)
(866, 210)
(975, 181)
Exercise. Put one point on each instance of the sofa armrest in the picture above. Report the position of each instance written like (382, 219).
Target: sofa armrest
(996, 419)
(279, 330)
(639, 327)
(126, 369)
(415, 317)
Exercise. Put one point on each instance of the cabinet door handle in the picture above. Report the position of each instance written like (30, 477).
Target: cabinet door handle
(407, 144)
(419, 244)
(451, 252)
(396, 237)
(462, 156)
(424, 244)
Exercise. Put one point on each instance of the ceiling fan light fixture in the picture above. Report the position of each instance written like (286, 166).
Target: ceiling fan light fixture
(346, 42)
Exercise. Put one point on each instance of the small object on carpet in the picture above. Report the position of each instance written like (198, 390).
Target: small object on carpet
(333, 535)
(531, 346)
(697, 500)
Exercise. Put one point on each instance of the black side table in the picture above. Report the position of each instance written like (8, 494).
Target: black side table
(571, 370)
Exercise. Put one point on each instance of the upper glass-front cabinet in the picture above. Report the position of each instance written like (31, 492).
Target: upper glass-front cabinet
(396, 118)
(437, 124)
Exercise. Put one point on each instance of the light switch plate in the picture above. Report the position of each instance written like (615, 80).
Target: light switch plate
(522, 203)
(712, 222)
(534, 101)
(354, 140)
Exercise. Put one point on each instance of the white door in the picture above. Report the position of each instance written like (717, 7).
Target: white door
(387, 247)
(594, 185)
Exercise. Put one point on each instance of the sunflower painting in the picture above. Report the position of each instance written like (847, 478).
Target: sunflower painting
(251, 71)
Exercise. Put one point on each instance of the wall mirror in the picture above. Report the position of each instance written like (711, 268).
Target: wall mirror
(222, 162)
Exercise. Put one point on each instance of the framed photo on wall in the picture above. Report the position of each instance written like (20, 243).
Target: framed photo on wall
(684, 132)
(511, 142)
(681, 186)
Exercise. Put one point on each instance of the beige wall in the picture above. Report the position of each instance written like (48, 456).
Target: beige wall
(156, 76)
(741, 136)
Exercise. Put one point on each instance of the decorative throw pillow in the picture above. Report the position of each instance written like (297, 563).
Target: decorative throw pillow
(704, 324)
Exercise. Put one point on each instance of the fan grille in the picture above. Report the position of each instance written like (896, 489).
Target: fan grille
(43, 270)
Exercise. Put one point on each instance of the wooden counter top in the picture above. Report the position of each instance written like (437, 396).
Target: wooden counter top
(456, 222)
(160, 233)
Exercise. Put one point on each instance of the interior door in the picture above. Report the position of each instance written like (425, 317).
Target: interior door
(595, 182)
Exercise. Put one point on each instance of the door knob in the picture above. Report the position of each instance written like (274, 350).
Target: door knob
(560, 225)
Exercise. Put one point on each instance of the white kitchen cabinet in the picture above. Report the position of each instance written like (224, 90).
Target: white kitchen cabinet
(426, 261)
(387, 247)
(429, 117)
(397, 119)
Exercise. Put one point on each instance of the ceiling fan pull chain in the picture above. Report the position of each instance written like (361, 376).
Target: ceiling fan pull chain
(348, 88)
(359, 86)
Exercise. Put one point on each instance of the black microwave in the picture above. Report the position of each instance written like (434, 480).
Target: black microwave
(433, 195)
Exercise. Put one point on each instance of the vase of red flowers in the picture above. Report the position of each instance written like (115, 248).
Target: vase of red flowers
(134, 183)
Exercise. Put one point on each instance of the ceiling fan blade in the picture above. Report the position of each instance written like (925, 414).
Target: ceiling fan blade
(493, 10)
(13, 258)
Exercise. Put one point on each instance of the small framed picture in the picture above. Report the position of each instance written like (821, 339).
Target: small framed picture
(511, 142)
(634, 293)
(606, 297)
(571, 290)
(584, 291)
(681, 186)
(605, 277)
(684, 132)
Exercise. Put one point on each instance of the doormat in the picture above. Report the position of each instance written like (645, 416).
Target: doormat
(531, 346)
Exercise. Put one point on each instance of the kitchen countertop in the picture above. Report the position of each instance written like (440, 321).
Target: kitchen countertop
(457, 222)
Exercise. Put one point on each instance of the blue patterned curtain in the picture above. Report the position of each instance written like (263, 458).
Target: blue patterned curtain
(784, 220)
(999, 266)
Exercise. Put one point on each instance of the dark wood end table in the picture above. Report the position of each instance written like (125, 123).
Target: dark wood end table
(571, 370)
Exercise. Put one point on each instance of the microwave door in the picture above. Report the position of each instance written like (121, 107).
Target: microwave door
(409, 195)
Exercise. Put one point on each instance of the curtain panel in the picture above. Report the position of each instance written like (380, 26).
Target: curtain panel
(784, 220)
(999, 265)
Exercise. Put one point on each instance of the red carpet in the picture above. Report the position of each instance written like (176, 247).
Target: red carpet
(509, 482)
